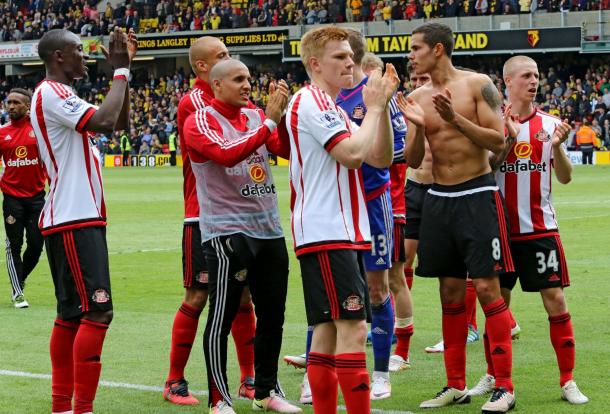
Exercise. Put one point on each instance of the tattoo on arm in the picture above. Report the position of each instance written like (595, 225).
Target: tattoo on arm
(490, 94)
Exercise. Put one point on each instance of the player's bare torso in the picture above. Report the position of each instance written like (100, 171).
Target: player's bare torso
(454, 157)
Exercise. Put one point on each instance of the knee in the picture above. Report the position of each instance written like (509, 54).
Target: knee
(358, 332)
(409, 259)
(487, 292)
(555, 301)
(196, 298)
(451, 294)
(104, 317)
(377, 294)
(246, 298)
(397, 284)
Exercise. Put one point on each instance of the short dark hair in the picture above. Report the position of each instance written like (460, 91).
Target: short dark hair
(23, 92)
(435, 33)
(51, 41)
(358, 44)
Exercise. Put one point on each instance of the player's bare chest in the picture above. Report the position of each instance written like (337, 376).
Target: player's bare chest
(461, 103)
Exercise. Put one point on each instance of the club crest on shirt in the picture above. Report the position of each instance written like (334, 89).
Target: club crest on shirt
(353, 303)
(100, 296)
(72, 104)
(202, 277)
(241, 275)
(358, 112)
(32, 135)
(330, 119)
(542, 136)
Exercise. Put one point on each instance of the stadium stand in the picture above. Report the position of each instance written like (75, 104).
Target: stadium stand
(29, 19)
(575, 91)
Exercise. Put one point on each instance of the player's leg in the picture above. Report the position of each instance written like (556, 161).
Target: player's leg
(349, 278)
(403, 305)
(549, 274)
(377, 263)
(487, 255)
(227, 258)
(268, 281)
(33, 236)
(403, 321)
(62, 334)
(438, 230)
(243, 331)
(351, 365)
(186, 320)
(562, 338)
(487, 382)
(86, 255)
(321, 369)
(321, 306)
(14, 224)
(414, 199)
(471, 313)
(515, 329)
(410, 253)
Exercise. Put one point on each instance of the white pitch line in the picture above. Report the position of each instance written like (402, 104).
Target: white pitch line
(110, 384)
(139, 387)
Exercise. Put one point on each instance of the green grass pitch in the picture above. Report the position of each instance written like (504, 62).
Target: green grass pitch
(144, 237)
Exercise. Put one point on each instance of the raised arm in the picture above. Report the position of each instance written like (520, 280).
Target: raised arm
(415, 145)
(561, 162)
(119, 55)
(205, 136)
(205, 140)
(352, 151)
(382, 152)
(489, 132)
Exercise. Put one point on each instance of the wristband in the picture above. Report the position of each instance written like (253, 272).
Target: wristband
(121, 73)
(270, 124)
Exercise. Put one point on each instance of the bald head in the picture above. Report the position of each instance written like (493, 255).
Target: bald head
(224, 68)
(230, 81)
(516, 62)
(205, 53)
(55, 39)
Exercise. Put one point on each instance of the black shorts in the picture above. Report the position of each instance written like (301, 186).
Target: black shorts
(334, 284)
(194, 265)
(414, 199)
(539, 264)
(464, 231)
(398, 252)
(79, 266)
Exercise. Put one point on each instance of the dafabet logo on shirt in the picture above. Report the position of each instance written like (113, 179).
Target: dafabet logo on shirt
(523, 150)
(21, 152)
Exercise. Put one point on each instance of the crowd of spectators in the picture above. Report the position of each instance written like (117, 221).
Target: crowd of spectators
(576, 92)
(29, 19)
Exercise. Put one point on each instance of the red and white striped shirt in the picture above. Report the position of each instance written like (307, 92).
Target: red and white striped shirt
(76, 194)
(197, 98)
(525, 178)
(327, 201)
